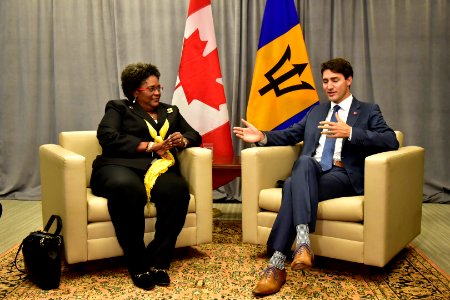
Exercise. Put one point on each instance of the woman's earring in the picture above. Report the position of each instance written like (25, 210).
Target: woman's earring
(134, 100)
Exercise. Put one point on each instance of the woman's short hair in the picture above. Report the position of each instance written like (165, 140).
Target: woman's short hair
(134, 75)
(338, 65)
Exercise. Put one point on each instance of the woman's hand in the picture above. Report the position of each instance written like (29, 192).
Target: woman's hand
(161, 149)
(176, 139)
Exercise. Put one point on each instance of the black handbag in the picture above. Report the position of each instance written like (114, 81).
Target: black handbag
(42, 255)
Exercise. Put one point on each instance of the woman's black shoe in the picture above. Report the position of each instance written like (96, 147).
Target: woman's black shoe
(143, 280)
(161, 277)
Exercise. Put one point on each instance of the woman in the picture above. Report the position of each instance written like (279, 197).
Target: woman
(139, 138)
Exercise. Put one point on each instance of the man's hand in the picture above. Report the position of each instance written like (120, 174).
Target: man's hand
(337, 129)
(249, 134)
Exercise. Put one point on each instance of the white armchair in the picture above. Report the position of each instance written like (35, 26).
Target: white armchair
(368, 229)
(87, 229)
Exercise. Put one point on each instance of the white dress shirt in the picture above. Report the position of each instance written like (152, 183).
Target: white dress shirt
(343, 114)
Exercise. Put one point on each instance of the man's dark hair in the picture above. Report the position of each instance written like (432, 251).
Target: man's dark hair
(134, 75)
(338, 65)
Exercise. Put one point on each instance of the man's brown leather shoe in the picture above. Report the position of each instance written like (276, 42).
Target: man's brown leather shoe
(272, 279)
(303, 258)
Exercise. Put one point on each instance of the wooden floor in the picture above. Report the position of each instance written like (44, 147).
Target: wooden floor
(434, 239)
(21, 217)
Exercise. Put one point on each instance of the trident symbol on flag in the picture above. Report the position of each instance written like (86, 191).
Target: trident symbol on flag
(274, 83)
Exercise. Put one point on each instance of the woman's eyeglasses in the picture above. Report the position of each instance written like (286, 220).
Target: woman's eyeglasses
(152, 89)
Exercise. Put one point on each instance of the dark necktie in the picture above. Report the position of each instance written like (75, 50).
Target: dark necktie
(328, 149)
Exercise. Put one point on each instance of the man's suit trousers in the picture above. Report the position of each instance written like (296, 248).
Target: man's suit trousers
(302, 191)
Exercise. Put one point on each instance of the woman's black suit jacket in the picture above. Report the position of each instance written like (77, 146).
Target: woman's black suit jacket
(123, 127)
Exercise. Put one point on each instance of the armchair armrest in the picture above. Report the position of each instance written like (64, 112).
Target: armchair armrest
(261, 168)
(63, 189)
(196, 168)
(392, 202)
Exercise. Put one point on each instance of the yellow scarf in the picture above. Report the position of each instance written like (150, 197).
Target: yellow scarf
(159, 166)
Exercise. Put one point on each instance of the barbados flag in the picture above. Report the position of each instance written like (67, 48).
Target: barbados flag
(283, 88)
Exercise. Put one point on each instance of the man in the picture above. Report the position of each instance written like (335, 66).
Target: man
(338, 136)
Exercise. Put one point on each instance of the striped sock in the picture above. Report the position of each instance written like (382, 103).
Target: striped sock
(302, 235)
(277, 260)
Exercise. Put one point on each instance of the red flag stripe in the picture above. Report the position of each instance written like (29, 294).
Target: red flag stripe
(197, 5)
(220, 138)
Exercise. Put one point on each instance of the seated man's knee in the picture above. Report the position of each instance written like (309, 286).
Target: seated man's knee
(287, 183)
(304, 161)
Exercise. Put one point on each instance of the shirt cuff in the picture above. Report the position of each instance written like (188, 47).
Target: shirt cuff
(262, 142)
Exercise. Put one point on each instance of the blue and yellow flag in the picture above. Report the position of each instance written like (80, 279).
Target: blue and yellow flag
(283, 88)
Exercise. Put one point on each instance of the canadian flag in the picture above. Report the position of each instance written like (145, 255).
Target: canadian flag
(199, 92)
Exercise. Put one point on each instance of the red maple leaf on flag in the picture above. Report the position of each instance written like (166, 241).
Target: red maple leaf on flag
(198, 73)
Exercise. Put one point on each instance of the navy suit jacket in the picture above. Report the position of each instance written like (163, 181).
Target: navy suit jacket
(370, 135)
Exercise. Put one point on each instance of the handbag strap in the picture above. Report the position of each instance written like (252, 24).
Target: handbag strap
(58, 224)
(15, 259)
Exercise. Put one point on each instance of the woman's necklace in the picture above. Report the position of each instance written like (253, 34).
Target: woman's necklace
(154, 115)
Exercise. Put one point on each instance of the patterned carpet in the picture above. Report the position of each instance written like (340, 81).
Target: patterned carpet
(228, 269)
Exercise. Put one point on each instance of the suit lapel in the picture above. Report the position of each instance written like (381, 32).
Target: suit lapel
(162, 115)
(138, 110)
(353, 114)
(322, 115)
